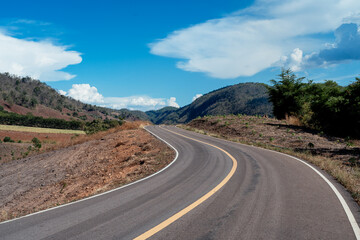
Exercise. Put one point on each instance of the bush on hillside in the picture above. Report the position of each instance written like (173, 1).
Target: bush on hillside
(324, 106)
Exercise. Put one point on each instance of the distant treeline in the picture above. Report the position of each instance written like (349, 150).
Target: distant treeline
(8, 118)
(326, 106)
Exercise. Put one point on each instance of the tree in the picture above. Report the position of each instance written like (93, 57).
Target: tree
(351, 108)
(287, 95)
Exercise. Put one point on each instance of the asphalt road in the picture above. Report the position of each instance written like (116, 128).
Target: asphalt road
(267, 196)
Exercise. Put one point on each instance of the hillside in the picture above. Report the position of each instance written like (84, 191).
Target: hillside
(243, 98)
(163, 114)
(24, 95)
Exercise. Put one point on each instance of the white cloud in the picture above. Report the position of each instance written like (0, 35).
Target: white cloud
(135, 102)
(256, 38)
(196, 96)
(41, 60)
(296, 61)
(143, 103)
(62, 92)
(85, 93)
(172, 102)
(89, 94)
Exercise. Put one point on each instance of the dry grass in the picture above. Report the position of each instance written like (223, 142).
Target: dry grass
(38, 130)
(291, 120)
(346, 174)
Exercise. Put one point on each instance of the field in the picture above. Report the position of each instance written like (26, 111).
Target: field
(38, 130)
(21, 137)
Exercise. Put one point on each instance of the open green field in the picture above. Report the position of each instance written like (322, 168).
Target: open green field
(38, 130)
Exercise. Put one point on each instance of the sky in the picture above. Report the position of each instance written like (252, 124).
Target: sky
(146, 55)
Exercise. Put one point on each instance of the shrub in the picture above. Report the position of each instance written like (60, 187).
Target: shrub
(36, 142)
(8, 139)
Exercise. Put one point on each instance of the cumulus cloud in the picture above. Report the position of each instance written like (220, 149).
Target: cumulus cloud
(345, 48)
(85, 93)
(62, 92)
(89, 94)
(256, 38)
(135, 102)
(172, 102)
(196, 96)
(41, 60)
(143, 103)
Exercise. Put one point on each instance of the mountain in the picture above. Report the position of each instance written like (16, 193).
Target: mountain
(243, 98)
(24, 95)
(163, 114)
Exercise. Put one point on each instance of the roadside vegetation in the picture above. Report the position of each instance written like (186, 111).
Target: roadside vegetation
(325, 107)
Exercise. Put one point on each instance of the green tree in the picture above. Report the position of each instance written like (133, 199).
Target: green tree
(326, 103)
(287, 94)
(351, 109)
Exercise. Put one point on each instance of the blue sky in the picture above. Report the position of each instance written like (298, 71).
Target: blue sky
(150, 54)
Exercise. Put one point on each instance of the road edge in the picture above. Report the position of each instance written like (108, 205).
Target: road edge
(342, 200)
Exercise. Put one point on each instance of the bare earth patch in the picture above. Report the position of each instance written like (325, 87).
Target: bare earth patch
(65, 175)
(12, 151)
(338, 156)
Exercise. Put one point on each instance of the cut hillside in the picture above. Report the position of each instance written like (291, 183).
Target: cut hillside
(24, 95)
(243, 98)
(110, 160)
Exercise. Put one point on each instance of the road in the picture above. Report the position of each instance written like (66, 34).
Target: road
(214, 190)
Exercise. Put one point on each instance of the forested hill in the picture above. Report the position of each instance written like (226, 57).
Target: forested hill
(24, 95)
(243, 98)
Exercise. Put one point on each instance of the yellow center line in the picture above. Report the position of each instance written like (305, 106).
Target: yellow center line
(184, 211)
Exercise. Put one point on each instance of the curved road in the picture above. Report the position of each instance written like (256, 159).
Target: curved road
(244, 193)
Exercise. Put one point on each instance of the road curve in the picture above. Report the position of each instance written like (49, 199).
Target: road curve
(268, 196)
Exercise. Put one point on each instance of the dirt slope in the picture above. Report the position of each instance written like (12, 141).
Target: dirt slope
(53, 178)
